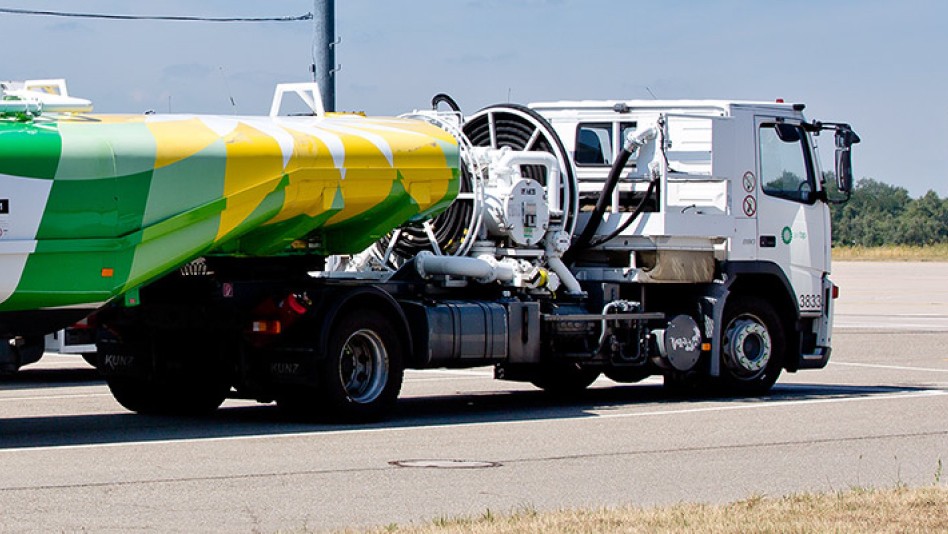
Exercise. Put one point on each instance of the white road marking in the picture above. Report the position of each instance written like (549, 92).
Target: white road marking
(893, 367)
(459, 372)
(53, 397)
(414, 380)
(890, 325)
(579, 418)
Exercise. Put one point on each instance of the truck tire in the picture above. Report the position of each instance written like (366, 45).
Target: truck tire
(564, 378)
(752, 346)
(627, 375)
(178, 397)
(361, 373)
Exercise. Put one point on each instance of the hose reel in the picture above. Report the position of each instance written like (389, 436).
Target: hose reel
(528, 194)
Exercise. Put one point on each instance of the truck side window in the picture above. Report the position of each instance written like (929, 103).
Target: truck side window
(785, 169)
(594, 144)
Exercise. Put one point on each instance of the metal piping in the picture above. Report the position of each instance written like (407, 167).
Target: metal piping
(483, 271)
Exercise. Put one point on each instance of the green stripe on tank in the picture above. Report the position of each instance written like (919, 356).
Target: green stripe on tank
(95, 208)
(358, 232)
(29, 150)
(196, 180)
(105, 150)
(52, 278)
(163, 254)
(64, 272)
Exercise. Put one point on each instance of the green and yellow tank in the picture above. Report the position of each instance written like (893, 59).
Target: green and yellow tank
(92, 206)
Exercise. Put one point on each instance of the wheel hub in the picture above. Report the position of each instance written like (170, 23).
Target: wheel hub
(748, 347)
(363, 367)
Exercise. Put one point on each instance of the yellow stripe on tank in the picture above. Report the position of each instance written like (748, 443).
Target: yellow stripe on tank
(314, 179)
(368, 179)
(179, 140)
(254, 161)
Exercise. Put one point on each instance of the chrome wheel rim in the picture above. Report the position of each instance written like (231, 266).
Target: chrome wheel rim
(363, 366)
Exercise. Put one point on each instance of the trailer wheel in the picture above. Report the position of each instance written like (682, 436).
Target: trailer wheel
(752, 346)
(363, 368)
(178, 397)
(564, 379)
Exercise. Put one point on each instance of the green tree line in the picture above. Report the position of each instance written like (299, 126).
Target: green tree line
(882, 214)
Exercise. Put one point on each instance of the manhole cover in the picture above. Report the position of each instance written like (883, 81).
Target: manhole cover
(445, 464)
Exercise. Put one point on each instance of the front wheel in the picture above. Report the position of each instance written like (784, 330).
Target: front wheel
(753, 344)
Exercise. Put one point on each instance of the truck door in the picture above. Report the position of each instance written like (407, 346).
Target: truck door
(792, 221)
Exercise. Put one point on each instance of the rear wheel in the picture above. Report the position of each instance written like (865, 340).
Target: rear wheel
(188, 377)
(174, 397)
(628, 375)
(564, 378)
(361, 372)
(752, 346)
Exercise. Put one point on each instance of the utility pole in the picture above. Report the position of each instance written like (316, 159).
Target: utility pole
(324, 51)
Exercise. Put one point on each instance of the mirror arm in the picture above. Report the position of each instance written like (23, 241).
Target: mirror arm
(837, 201)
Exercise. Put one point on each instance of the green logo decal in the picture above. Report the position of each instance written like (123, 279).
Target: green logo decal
(787, 235)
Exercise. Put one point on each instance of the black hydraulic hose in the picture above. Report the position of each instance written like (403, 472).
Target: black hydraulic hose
(631, 218)
(595, 219)
(443, 97)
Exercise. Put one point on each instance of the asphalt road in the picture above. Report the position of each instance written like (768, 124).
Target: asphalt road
(71, 459)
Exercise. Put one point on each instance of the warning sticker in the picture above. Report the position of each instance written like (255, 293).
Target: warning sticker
(750, 181)
(750, 206)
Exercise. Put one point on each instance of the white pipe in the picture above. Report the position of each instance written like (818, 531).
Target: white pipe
(428, 265)
(516, 159)
(21, 106)
(566, 276)
(639, 138)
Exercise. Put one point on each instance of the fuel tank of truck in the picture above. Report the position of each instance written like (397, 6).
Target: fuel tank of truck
(92, 206)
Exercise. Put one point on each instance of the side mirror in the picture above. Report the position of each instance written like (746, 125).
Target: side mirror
(845, 139)
(844, 170)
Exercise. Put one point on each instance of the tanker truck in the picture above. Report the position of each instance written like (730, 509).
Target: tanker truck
(310, 259)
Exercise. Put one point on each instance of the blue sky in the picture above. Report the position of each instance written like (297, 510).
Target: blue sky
(877, 64)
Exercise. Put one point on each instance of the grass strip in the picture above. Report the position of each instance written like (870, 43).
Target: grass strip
(937, 252)
(899, 509)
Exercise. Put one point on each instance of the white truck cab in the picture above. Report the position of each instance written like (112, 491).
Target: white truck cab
(738, 192)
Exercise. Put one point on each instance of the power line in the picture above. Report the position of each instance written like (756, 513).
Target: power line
(11, 11)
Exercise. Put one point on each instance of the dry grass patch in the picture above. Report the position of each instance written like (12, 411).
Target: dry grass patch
(892, 253)
(895, 510)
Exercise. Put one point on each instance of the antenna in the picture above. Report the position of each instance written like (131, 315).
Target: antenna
(650, 92)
